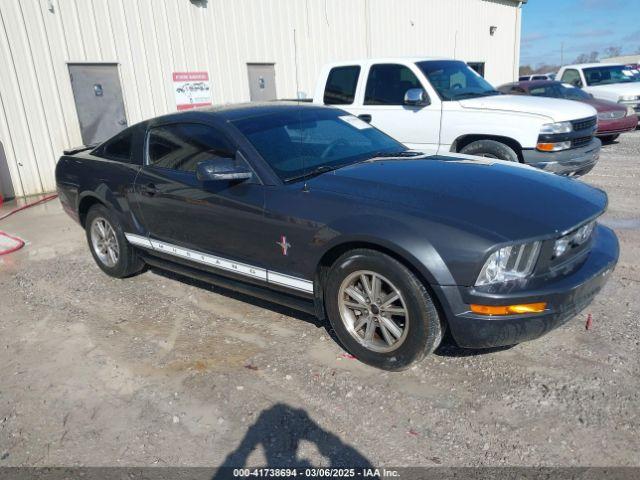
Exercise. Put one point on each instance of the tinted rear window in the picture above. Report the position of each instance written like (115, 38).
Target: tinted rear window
(341, 85)
(118, 148)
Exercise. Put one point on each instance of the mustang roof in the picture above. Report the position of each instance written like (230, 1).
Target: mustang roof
(242, 110)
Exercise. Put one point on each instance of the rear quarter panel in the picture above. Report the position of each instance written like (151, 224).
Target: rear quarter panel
(86, 178)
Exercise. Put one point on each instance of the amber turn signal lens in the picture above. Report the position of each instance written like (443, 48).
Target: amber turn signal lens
(509, 309)
(546, 147)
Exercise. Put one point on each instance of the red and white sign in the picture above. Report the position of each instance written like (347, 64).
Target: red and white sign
(192, 89)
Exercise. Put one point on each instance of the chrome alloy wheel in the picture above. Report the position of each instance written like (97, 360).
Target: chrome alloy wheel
(104, 242)
(373, 311)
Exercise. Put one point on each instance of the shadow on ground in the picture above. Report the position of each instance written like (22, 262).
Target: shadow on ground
(279, 430)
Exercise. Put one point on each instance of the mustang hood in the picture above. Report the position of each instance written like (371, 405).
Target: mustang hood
(504, 200)
(556, 109)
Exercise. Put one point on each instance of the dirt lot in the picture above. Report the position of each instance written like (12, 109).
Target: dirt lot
(158, 370)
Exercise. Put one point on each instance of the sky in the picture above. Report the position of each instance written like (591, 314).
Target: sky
(583, 26)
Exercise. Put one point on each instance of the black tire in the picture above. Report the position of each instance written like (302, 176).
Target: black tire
(491, 149)
(609, 138)
(424, 328)
(128, 261)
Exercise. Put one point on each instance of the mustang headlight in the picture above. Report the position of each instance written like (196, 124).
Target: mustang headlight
(509, 263)
(560, 127)
(630, 111)
(573, 239)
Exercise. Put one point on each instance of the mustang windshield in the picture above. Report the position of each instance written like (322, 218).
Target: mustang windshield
(608, 74)
(305, 141)
(454, 80)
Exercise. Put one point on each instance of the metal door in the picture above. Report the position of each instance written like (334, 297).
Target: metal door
(98, 96)
(262, 81)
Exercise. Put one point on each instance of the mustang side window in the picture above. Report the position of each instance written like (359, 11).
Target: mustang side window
(387, 84)
(182, 146)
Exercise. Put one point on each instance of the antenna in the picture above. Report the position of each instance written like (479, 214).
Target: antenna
(295, 63)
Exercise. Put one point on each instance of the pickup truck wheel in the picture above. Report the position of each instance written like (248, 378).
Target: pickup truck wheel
(108, 245)
(491, 149)
(380, 311)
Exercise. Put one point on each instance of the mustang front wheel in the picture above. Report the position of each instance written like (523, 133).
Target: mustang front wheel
(380, 310)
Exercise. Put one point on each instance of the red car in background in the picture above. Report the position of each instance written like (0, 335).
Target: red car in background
(613, 118)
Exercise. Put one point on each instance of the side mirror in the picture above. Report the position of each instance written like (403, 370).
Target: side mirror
(222, 169)
(416, 97)
(577, 83)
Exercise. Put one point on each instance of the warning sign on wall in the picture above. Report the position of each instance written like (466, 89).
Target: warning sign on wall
(192, 89)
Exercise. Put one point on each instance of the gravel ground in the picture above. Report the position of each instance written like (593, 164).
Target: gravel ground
(160, 370)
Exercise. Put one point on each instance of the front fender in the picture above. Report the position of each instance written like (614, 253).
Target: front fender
(397, 237)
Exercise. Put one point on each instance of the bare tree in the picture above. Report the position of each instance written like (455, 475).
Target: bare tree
(587, 58)
(525, 70)
(612, 52)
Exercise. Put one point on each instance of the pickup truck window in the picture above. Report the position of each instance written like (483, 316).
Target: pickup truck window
(387, 84)
(306, 142)
(571, 77)
(454, 80)
(608, 74)
(118, 148)
(341, 85)
(182, 146)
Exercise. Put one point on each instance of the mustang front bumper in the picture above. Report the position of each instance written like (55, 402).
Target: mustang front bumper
(565, 298)
(575, 161)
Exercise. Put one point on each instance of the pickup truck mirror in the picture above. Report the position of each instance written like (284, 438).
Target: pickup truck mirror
(416, 97)
(577, 83)
(222, 169)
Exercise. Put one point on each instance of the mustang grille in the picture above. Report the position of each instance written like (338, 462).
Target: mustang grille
(584, 123)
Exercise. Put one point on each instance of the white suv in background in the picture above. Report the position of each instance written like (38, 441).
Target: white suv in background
(439, 105)
(608, 81)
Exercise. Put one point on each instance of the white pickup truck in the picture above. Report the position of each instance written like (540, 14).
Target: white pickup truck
(608, 81)
(438, 106)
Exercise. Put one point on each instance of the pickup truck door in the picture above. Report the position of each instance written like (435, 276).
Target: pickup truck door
(381, 103)
(219, 217)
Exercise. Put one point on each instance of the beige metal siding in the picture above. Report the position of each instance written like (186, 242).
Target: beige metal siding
(150, 39)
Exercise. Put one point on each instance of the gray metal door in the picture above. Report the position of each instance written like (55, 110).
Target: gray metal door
(262, 81)
(98, 97)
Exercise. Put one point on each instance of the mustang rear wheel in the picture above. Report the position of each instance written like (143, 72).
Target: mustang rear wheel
(108, 245)
(380, 311)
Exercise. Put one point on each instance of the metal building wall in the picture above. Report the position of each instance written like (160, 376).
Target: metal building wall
(150, 39)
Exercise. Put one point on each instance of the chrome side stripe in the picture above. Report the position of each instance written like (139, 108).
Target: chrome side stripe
(138, 240)
(222, 263)
(213, 261)
(289, 281)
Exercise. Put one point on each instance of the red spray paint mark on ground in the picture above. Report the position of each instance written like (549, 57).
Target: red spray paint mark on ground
(589, 324)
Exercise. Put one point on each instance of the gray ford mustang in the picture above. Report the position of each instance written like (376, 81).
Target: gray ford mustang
(310, 207)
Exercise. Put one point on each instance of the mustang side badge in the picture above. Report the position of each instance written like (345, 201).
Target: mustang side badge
(284, 245)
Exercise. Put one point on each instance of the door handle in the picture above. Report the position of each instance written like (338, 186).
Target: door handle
(365, 117)
(149, 189)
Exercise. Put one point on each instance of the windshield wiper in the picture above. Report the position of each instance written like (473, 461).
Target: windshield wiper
(315, 172)
(398, 154)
